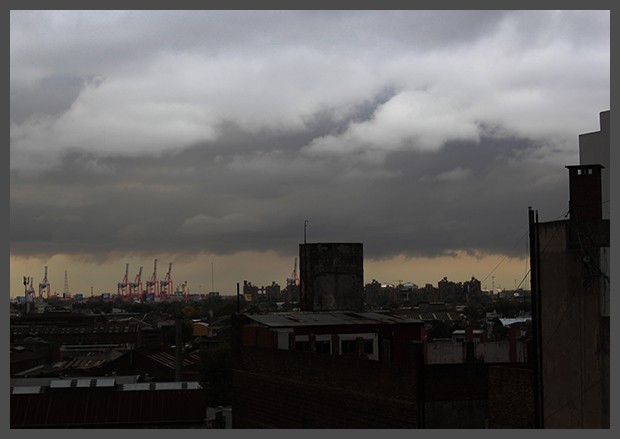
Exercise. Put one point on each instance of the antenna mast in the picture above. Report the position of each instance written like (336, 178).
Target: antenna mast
(65, 292)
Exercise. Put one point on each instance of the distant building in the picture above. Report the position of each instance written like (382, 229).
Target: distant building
(250, 292)
(472, 288)
(431, 293)
(448, 290)
(273, 292)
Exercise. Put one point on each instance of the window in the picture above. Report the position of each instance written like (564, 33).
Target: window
(302, 346)
(348, 347)
(368, 347)
(324, 346)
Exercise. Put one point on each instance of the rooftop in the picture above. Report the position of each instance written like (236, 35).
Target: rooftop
(329, 318)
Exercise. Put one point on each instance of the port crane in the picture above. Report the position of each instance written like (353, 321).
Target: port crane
(166, 284)
(135, 287)
(29, 289)
(123, 286)
(29, 293)
(44, 286)
(152, 285)
(294, 279)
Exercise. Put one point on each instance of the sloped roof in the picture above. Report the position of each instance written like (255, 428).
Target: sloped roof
(329, 319)
(512, 321)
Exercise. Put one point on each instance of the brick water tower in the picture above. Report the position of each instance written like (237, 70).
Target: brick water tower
(332, 276)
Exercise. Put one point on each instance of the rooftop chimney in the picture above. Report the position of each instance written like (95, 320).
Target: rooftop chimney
(585, 195)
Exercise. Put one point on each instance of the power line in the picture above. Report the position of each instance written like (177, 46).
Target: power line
(517, 243)
(504, 258)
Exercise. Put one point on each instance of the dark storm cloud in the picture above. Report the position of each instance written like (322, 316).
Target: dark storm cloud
(419, 133)
(418, 203)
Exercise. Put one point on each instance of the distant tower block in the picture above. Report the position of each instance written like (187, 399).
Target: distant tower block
(332, 276)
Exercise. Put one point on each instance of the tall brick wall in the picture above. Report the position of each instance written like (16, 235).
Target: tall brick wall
(275, 402)
(511, 399)
(284, 389)
(455, 395)
(276, 388)
(468, 413)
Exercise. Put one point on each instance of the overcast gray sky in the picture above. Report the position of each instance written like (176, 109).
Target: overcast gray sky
(201, 136)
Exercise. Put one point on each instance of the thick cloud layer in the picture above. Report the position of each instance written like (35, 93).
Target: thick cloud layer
(418, 133)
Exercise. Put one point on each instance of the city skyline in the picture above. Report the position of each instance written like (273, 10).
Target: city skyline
(214, 135)
(83, 276)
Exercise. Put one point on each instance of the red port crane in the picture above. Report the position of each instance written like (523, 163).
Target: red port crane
(152, 285)
(44, 286)
(294, 279)
(135, 287)
(123, 286)
(166, 285)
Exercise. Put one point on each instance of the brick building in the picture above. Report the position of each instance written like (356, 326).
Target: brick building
(571, 289)
(106, 402)
(349, 370)
(332, 276)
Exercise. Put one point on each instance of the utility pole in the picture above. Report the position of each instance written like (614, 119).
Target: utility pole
(536, 314)
(65, 293)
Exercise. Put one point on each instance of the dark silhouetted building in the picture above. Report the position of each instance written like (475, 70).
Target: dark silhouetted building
(106, 402)
(573, 293)
(332, 276)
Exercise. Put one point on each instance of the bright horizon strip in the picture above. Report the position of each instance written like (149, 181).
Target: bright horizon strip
(259, 268)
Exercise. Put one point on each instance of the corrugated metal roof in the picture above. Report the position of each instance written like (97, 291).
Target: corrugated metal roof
(137, 386)
(46, 330)
(512, 321)
(170, 361)
(26, 390)
(329, 318)
(66, 382)
(60, 384)
(83, 383)
(105, 382)
(173, 385)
